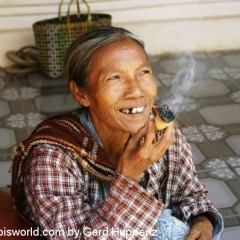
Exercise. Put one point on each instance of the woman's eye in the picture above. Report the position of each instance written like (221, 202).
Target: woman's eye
(114, 77)
(145, 71)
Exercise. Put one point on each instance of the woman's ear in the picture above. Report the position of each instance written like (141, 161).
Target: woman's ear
(79, 94)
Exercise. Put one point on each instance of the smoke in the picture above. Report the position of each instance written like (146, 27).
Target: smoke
(183, 81)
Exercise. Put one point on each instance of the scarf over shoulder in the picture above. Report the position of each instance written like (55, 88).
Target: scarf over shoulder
(65, 131)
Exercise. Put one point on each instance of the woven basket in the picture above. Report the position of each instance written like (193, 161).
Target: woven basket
(53, 36)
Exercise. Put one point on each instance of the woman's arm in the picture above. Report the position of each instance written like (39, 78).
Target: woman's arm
(58, 199)
(196, 208)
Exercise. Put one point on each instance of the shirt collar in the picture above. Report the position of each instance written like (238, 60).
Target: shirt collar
(86, 121)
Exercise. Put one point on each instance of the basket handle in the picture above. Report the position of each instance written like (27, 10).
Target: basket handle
(78, 9)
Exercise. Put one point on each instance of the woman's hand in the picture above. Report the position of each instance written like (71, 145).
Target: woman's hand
(142, 150)
(201, 228)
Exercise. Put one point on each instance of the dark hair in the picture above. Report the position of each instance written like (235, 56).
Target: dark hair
(79, 54)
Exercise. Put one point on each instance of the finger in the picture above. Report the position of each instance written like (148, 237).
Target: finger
(198, 233)
(130, 136)
(193, 235)
(169, 128)
(145, 135)
(135, 140)
(168, 134)
(150, 133)
(166, 140)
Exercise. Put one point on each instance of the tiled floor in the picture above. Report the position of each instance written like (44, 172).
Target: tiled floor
(206, 94)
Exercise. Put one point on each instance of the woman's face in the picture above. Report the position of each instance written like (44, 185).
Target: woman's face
(121, 89)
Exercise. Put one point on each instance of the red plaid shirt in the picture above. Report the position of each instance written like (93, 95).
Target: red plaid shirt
(65, 200)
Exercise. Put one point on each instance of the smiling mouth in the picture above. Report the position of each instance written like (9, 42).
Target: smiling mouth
(135, 110)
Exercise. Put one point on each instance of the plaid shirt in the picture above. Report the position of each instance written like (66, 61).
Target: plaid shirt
(67, 202)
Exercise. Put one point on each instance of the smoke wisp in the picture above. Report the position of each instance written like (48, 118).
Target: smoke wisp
(183, 81)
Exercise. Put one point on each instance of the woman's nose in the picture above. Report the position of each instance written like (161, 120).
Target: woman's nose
(134, 88)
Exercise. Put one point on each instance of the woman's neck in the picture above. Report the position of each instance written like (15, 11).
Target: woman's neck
(114, 146)
(113, 140)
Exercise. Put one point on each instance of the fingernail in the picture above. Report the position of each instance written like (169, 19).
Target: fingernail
(151, 115)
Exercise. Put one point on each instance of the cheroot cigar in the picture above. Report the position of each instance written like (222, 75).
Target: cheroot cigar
(163, 118)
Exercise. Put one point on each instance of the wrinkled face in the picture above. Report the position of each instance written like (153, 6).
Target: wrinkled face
(121, 89)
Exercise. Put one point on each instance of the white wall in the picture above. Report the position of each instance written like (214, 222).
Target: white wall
(165, 25)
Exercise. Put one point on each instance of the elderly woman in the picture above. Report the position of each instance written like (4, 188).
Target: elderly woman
(101, 171)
